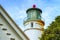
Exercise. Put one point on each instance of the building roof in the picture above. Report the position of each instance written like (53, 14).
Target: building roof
(13, 24)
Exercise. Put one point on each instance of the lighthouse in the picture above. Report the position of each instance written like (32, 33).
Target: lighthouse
(34, 25)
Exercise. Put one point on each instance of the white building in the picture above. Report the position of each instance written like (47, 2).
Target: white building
(9, 30)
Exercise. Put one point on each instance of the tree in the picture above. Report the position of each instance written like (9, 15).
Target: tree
(53, 31)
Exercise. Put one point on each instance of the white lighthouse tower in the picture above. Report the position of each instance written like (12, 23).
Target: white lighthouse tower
(34, 24)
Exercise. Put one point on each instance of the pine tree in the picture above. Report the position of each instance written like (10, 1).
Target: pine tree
(53, 31)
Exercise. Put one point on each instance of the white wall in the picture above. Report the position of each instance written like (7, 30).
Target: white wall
(3, 33)
(33, 32)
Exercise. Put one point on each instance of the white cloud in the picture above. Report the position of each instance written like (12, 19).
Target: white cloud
(19, 12)
(21, 16)
(48, 15)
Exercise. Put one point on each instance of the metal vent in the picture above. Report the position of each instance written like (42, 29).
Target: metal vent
(1, 24)
(8, 33)
(4, 29)
(12, 39)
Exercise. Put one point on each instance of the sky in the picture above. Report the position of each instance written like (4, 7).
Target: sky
(17, 9)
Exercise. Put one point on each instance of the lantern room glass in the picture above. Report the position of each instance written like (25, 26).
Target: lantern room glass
(33, 14)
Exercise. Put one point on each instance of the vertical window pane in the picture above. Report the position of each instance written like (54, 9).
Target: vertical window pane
(31, 24)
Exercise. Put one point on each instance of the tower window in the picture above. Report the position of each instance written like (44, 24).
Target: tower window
(31, 24)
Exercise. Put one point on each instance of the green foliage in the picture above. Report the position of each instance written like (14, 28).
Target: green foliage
(53, 31)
